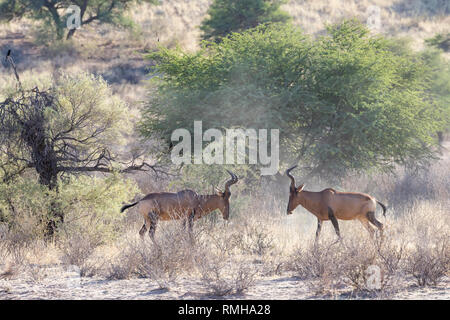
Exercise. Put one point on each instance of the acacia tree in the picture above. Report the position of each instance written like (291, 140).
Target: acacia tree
(342, 102)
(76, 126)
(227, 16)
(53, 12)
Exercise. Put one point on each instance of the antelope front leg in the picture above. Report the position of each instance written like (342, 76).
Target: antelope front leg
(190, 224)
(319, 228)
(334, 221)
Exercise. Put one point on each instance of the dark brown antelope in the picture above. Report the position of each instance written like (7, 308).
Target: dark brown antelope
(220, 201)
(330, 204)
(165, 206)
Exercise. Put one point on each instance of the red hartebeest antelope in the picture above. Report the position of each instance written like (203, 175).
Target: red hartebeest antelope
(185, 204)
(220, 200)
(330, 204)
(165, 206)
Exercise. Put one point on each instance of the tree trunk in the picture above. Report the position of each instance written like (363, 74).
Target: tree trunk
(48, 176)
(82, 11)
(45, 161)
(57, 21)
(70, 33)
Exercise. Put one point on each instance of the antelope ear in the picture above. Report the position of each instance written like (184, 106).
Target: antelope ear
(299, 189)
(219, 193)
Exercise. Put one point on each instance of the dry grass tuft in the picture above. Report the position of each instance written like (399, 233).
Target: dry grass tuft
(429, 263)
(222, 276)
(77, 250)
(162, 261)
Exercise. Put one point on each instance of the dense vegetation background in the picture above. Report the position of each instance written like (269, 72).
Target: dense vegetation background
(344, 101)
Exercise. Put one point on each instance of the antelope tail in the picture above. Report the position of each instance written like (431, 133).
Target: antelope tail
(383, 206)
(125, 207)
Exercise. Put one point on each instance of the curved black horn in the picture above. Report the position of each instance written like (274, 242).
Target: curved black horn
(291, 177)
(233, 180)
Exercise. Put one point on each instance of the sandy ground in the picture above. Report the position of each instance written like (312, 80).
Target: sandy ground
(57, 283)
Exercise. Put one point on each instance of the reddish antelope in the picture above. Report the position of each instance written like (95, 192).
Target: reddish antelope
(165, 206)
(220, 201)
(330, 204)
(185, 204)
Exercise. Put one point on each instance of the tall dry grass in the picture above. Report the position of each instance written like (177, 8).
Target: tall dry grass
(260, 241)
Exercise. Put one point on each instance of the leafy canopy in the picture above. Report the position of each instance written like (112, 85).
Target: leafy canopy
(227, 16)
(345, 101)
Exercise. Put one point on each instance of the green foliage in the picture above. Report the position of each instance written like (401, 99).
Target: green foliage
(436, 75)
(345, 101)
(438, 79)
(227, 16)
(91, 206)
(54, 16)
(81, 124)
(88, 99)
(24, 205)
(78, 128)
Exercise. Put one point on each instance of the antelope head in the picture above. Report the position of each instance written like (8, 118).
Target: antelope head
(294, 192)
(224, 197)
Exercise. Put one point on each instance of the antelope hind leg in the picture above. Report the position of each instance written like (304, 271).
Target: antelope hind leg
(143, 231)
(374, 221)
(319, 228)
(145, 227)
(190, 221)
(366, 225)
(153, 222)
